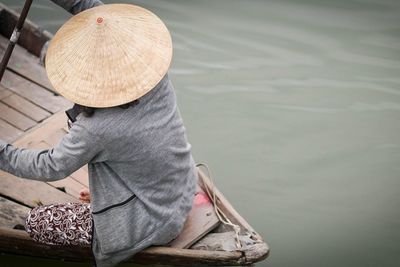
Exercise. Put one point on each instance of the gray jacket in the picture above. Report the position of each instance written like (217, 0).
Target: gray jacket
(141, 173)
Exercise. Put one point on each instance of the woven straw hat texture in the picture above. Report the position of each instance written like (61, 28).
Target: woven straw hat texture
(109, 55)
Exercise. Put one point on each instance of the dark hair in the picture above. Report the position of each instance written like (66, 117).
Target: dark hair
(89, 111)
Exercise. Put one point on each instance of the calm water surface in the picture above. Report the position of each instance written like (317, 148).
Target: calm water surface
(295, 105)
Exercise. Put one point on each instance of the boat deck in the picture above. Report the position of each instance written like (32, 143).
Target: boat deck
(32, 116)
(26, 96)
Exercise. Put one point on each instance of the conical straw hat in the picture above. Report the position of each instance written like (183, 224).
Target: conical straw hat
(109, 55)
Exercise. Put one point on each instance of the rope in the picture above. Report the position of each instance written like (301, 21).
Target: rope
(220, 214)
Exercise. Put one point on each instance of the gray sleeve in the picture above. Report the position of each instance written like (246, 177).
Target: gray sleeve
(76, 6)
(76, 149)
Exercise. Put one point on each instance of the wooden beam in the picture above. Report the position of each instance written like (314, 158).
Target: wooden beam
(4, 92)
(32, 37)
(227, 208)
(200, 221)
(8, 132)
(15, 118)
(55, 137)
(18, 242)
(30, 192)
(25, 107)
(34, 93)
(12, 213)
(81, 176)
(43, 130)
(26, 65)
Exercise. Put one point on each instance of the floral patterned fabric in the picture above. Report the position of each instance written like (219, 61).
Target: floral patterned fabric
(61, 224)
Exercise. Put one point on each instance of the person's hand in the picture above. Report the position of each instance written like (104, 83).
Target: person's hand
(84, 195)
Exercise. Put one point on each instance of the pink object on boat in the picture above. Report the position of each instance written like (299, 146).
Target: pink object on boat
(201, 198)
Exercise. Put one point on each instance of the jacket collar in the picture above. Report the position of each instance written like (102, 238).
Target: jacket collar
(74, 112)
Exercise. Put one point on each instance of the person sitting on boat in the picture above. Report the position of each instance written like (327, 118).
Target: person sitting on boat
(112, 62)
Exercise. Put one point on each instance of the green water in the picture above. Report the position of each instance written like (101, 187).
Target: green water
(295, 106)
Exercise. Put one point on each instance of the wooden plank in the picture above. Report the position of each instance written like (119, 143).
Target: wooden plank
(26, 64)
(253, 253)
(25, 107)
(81, 176)
(43, 130)
(32, 37)
(69, 185)
(55, 137)
(66, 128)
(85, 168)
(19, 242)
(4, 92)
(226, 207)
(8, 132)
(12, 213)
(34, 93)
(15, 118)
(201, 220)
(31, 192)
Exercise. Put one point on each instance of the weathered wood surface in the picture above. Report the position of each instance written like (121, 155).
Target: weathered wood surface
(201, 220)
(18, 242)
(26, 95)
(81, 176)
(42, 131)
(26, 107)
(11, 213)
(47, 135)
(256, 252)
(69, 186)
(32, 37)
(15, 118)
(4, 92)
(24, 104)
(26, 65)
(8, 132)
(17, 114)
(55, 137)
(227, 208)
(31, 193)
(34, 93)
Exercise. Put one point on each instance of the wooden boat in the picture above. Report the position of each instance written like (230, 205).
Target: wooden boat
(31, 115)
